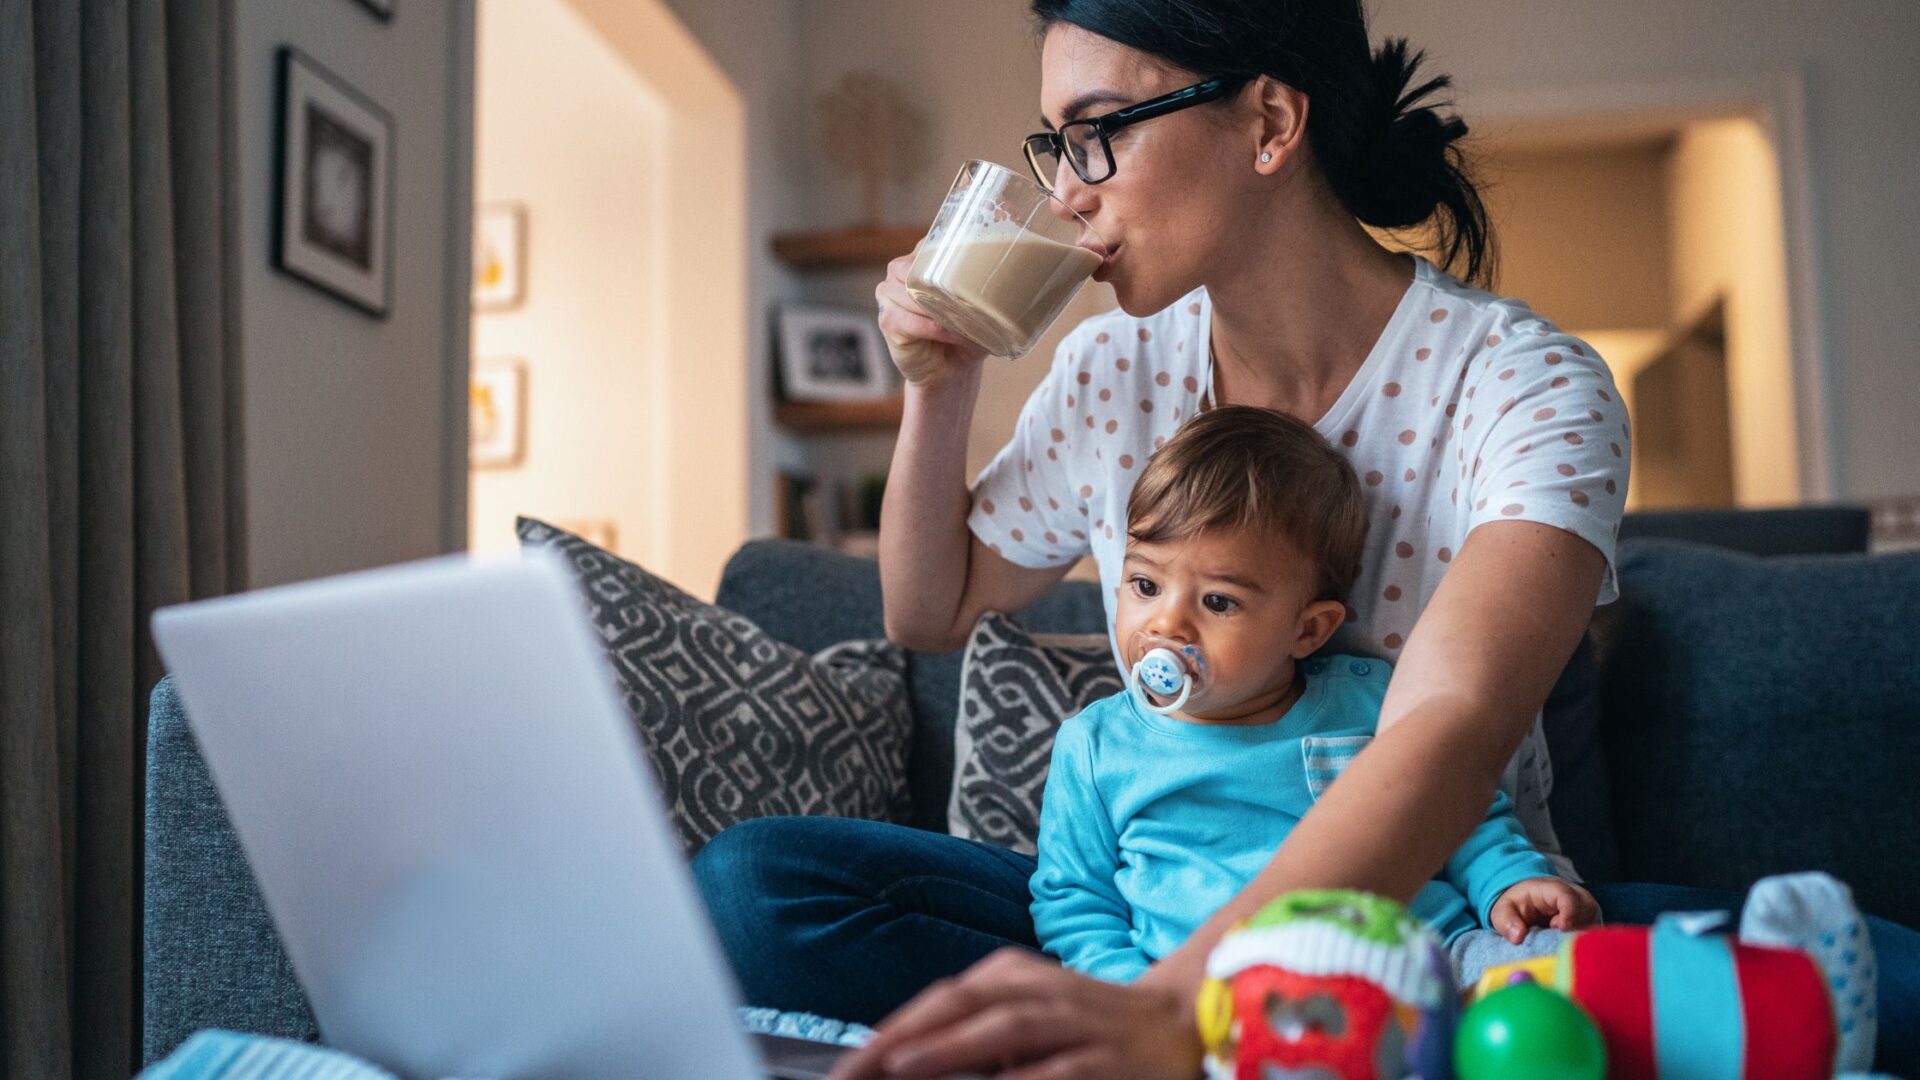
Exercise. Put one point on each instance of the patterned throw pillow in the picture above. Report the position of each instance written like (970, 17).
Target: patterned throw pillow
(1016, 689)
(737, 724)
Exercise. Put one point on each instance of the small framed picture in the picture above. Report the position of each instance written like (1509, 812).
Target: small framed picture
(499, 256)
(832, 354)
(497, 420)
(333, 215)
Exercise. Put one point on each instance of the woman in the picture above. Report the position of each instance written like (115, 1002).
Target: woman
(1492, 447)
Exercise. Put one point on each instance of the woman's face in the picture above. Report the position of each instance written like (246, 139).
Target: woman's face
(1183, 184)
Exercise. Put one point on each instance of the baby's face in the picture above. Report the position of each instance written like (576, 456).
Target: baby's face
(1239, 599)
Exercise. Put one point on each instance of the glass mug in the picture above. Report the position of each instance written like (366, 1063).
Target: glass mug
(1002, 260)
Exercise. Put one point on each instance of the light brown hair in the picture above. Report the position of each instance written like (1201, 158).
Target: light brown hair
(1239, 467)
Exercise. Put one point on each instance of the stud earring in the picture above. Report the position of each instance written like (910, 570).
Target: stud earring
(1266, 157)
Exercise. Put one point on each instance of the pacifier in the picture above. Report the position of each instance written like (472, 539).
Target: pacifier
(1164, 672)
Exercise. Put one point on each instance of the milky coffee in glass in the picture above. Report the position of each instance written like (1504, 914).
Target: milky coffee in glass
(1002, 260)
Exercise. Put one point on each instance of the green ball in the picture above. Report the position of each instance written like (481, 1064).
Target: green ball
(1527, 1032)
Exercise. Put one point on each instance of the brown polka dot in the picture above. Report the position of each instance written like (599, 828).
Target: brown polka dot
(1123, 363)
(1467, 423)
(1579, 497)
(1392, 641)
(1192, 384)
(1616, 448)
(1610, 487)
(1410, 475)
(1083, 510)
(1470, 391)
(1109, 532)
(1089, 420)
(1059, 436)
(1454, 496)
(1407, 437)
(1193, 308)
(1078, 535)
(1624, 433)
(1564, 469)
(1053, 503)
(1481, 505)
(1434, 442)
(1511, 509)
(1145, 405)
(1374, 478)
(1392, 593)
(1604, 396)
(1576, 350)
(1573, 438)
(1101, 339)
(1113, 426)
(1422, 354)
(1396, 513)
(1086, 491)
(1051, 456)
(1560, 382)
(996, 549)
(1106, 395)
(1516, 483)
(1126, 461)
(1505, 405)
(1492, 340)
(1176, 412)
(1163, 378)
(1026, 504)
(1083, 378)
(1595, 415)
(1435, 400)
(1069, 401)
(1439, 314)
(1505, 375)
(1444, 555)
(1543, 416)
(1018, 535)
(987, 505)
(1052, 539)
(1392, 389)
(1030, 464)
(1403, 549)
(1452, 407)
(1159, 441)
(1476, 466)
(1146, 334)
(1554, 358)
(1524, 447)
(1350, 438)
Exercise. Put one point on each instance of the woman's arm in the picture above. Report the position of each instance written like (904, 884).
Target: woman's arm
(1480, 662)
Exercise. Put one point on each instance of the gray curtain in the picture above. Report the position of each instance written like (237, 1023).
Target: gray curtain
(119, 477)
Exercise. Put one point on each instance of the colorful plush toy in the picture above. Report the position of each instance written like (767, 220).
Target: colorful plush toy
(1329, 982)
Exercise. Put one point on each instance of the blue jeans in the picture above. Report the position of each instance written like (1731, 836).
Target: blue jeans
(849, 919)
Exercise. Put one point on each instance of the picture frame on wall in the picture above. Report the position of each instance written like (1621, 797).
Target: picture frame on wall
(497, 417)
(382, 8)
(832, 354)
(333, 203)
(499, 256)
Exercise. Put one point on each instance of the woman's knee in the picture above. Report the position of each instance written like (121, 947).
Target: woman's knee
(747, 865)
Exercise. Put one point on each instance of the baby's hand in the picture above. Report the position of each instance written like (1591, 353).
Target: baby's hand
(1542, 901)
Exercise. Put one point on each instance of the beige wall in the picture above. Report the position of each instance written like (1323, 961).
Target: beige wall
(1724, 194)
(355, 447)
(568, 130)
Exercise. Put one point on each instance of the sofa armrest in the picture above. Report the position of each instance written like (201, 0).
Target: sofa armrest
(212, 958)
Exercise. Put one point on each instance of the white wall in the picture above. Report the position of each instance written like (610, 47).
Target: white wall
(567, 129)
(353, 448)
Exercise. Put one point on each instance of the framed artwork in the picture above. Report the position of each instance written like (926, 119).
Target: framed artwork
(382, 8)
(499, 256)
(832, 354)
(497, 420)
(333, 212)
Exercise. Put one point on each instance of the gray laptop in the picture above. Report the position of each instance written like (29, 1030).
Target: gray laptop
(455, 831)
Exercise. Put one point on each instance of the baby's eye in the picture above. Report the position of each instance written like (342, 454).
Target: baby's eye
(1144, 588)
(1218, 604)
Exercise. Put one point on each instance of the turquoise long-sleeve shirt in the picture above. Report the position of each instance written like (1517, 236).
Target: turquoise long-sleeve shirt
(1150, 824)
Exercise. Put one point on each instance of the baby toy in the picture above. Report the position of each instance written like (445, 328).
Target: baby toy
(1526, 1032)
(1332, 983)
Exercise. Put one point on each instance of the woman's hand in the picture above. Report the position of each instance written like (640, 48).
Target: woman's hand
(922, 349)
(1023, 1017)
(1542, 901)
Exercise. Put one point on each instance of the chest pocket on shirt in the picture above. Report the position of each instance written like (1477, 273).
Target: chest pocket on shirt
(1327, 756)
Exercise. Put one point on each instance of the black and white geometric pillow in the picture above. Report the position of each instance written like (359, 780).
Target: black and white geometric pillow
(737, 724)
(1016, 689)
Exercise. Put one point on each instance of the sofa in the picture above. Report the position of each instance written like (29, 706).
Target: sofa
(1732, 716)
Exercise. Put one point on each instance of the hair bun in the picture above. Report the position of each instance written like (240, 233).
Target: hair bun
(1406, 170)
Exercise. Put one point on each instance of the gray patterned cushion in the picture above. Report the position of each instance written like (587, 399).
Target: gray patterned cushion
(739, 725)
(1015, 690)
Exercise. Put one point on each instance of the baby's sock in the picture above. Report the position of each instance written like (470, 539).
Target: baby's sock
(1815, 913)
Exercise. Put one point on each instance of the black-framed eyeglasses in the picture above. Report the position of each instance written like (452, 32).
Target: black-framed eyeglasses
(1084, 142)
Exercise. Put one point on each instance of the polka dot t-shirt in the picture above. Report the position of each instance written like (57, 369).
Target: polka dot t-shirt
(1470, 408)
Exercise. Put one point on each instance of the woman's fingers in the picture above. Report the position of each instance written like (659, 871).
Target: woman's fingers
(1006, 975)
(1002, 1035)
(1097, 1062)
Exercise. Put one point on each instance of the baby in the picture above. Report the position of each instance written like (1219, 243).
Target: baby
(1244, 536)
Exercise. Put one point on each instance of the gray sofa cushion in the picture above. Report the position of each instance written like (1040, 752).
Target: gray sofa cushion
(738, 725)
(811, 598)
(1763, 715)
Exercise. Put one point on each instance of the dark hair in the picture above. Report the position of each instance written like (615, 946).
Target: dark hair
(1241, 467)
(1387, 153)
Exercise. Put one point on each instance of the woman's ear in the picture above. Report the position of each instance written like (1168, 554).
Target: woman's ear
(1283, 123)
(1317, 623)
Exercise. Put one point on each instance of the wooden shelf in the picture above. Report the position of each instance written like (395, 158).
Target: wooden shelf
(838, 416)
(840, 249)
